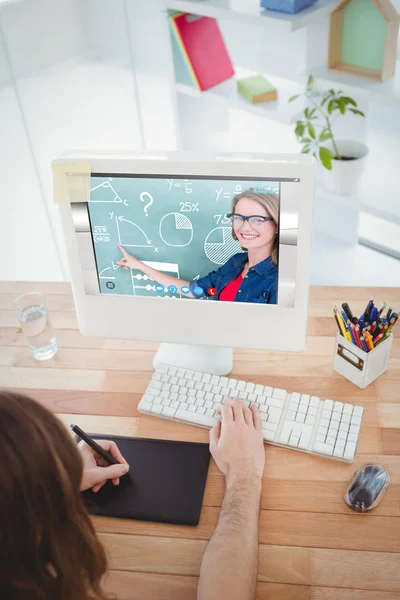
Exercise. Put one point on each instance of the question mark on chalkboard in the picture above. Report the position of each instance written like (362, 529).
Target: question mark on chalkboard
(143, 199)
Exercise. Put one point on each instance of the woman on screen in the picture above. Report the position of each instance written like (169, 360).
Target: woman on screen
(249, 276)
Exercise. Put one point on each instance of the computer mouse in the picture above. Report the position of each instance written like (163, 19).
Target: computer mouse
(367, 487)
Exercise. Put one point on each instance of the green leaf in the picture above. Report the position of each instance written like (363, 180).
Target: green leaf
(311, 130)
(348, 100)
(310, 81)
(312, 112)
(299, 129)
(325, 135)
(357, 112)
(326, 157)
(293, 98)
(305, 149)
(306, 139)
(332, 106)
(342, 105)
(326, 98)
(307, 113)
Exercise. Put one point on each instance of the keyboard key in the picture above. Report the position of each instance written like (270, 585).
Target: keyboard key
(200, 394)
(353, 437)
(300, 418)
(328, 404)
(233, 393)
(232, 384)
(189, 374)
(341, 443)
(267, 391)
(312, 411)
(342, 435)
(199, 385)
(192, 393)
(321, 438)
(274, 415)
(168, 411)
(192, 408)
(173, 380)
(304, 441)
(166, 402)
(201, 410)
(206, 378)
(218, 398)
(326, 414)
(305, 399)
(278, 393)
(209, 397)
(346, 418)
(174, 388)
(147, 398)
(358, 410)
(250, 387)
(293, 406)
(172, 370)
(223, 382)
(157, 409)
(184, 406)
(241, 386)
(270, 427)
(190, 383)
(174, 404)
(162, 368)
(349, 450)
(325, 422)
(323, 448)
(295, 397)
(323, 430)
(262, 400)
(190, 417)
(275, 402)
(356, 420)
(268, 435)
(294, 441)
(252, 398)
(157, 400)
(331, 440)
(215, 380)
(243, 395)
(164, 378)
(291, 415)
(174, 396)
(197, 376)
(180, 373)
(210, 412)
(144, 405)
(338, 406)
(207, 387)
(259, 389)
(157, 385)
(310, 419)
(348, 409)
(157, 376)
(263, 408)
(284, 439)
(314, 401)
(302, 409)
(208, 403)
(199, 402)
(344, 427)
(264, 417)
(354, 429)
(338, 451)
(225, 392)
(217, 389)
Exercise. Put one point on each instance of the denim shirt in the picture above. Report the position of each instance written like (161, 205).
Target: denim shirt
(259, 285)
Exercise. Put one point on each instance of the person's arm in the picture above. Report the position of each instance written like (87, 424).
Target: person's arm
(131, 262)
(230, 562)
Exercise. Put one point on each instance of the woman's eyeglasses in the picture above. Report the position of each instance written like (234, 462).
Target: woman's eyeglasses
(254, 221)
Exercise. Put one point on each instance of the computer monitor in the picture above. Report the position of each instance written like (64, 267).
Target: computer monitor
(202, 253)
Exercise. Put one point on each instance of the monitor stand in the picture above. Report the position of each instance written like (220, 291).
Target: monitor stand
(209, 359)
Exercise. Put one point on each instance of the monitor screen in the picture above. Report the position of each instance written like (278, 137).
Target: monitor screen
(206, 238)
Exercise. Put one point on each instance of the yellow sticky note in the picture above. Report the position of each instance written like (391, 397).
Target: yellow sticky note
(71, 182)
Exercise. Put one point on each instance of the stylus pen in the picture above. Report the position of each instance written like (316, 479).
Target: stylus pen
(94, 445)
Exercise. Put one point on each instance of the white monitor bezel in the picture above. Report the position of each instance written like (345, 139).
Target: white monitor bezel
(199, 322)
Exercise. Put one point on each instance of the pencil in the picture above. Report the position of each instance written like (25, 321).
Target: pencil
(343, 325)
(94, 445)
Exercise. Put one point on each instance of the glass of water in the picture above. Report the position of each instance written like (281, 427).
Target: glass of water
(35, 323)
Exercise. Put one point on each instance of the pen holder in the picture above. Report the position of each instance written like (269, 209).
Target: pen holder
(359, 367)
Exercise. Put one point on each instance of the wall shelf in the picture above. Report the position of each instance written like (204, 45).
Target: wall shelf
(249, 12)
(278, 110)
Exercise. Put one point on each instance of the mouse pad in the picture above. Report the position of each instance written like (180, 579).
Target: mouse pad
(165, 483)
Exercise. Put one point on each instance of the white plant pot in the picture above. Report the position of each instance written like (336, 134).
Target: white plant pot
(345, 175)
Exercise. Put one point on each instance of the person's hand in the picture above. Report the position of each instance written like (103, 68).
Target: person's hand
(96, 470)
(128, 261)
(236, 442)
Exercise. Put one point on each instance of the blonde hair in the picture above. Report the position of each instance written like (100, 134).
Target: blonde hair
(271, 204)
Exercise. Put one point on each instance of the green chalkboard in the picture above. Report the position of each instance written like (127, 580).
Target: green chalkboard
(178, 226)
(363, 35)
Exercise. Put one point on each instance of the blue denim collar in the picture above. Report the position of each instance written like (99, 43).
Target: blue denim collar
(262, 268)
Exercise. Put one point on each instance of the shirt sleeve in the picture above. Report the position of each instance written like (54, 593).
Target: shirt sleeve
(272, 297)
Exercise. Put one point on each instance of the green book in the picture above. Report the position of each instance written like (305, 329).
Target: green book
(257, 89)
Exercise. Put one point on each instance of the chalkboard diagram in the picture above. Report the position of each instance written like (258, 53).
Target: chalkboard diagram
(176, 230)
(104, 192)
(165, 267)
(130, 234)
(105, 275)
(220, 245)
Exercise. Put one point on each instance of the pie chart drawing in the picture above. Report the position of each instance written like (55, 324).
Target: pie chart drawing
(220, 245)
(176, 230)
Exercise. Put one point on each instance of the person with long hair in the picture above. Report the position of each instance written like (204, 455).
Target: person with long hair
(49, 549)
(249, 276)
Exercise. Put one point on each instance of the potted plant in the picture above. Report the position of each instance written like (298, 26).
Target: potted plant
(343, 160)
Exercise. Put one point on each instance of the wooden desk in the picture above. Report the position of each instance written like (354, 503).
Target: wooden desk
(312, 546)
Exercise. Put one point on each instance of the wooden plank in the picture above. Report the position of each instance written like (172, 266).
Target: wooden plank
(100, 424)
(55, 302)
(288, 565)
(318, 593)
(59, 319)
(388, 415)
(347, 532)
(359, 570)
(72, 338)
(131, 586)
(54, 379)
(391, 441)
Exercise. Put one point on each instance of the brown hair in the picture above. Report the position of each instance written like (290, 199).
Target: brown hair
(48, 546)
(271, 204)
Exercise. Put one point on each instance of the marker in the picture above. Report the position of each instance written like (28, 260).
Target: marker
(367, 312)
(349, 314)
(94, 445)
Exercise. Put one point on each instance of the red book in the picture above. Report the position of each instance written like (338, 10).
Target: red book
(204, 49)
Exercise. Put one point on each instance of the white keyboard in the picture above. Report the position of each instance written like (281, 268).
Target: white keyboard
(298, 421)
